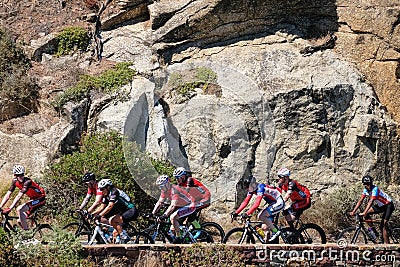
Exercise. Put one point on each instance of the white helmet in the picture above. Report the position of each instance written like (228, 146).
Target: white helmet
(162, 180)
(18, 169)
(284, 172)
(178, 172)
(103, 183)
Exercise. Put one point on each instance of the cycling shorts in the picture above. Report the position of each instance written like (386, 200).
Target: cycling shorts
(386, 209)
(34, 205)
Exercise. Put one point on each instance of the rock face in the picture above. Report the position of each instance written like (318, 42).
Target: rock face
(309, 85)
(315, 115)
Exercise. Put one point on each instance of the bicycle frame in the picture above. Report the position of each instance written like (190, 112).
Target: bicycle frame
(98, 231)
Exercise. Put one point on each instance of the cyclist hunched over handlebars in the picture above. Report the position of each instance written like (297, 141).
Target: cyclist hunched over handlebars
(116, 209)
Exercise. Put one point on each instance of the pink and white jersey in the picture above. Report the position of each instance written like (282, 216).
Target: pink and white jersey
(380, 198)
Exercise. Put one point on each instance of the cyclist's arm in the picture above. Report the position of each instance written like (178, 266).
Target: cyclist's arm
(171, 208)
(369, 205)
(16, 199)
(158, 205)
(255, 205)
(244, 203)
(85, 201)
(96, 203)
(107, 209)
(5, 199)
(359, 202)
(100, 208)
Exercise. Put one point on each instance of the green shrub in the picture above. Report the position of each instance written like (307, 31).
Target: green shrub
(62, 249)
(8, 255)
(106, 155)
(185, 83)
(15, 84)
(72, 39)
(107, 82)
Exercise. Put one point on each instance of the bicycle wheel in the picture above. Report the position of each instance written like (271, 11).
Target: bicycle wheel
(313, 234)
(215, 230)
(236, 236)
(81, 231)
(141, 238)
(43, 232)
(291, 236)
(348, 234)
(395, 235)
(200, 235)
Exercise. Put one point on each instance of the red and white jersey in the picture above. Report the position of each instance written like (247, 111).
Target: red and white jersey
(94, 190)
(380, 198)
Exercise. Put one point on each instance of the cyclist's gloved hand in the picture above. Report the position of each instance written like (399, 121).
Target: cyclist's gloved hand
(89, 216)
(6, 210)
(234, 214)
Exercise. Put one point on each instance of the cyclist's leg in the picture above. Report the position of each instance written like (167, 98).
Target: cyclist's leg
(180, 214)
(385, 219)
(297, 209)
(26, 209)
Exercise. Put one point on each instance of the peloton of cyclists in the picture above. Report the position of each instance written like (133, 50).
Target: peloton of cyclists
(271, 195)
(28, 187)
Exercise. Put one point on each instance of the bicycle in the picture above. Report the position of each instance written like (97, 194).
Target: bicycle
(159, 231)
(247, 233)
(39, 230)
(360, 234)
(311, 232)
(102, 234)
(83, 230)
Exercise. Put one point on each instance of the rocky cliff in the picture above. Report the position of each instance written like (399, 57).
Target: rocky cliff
(310, 85)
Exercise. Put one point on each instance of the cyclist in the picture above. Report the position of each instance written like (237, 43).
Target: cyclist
(181, 204)
(116, 209)
(297, 193)
(90, 180)
(196, 189)
(271, 195)
(379, 202)
(28, 187)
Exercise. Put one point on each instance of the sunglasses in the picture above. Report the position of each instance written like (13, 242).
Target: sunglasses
(162, 186)
(281, 176)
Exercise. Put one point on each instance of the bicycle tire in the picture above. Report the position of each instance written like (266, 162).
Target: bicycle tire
(235, 236)
(141, 238)
(81, 231)
(43, 232)
(312, 234)
(348, 234)
(215, 230)
(395, 235)
(291, 236)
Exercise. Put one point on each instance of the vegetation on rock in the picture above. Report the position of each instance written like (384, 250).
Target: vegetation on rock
(108, 82)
